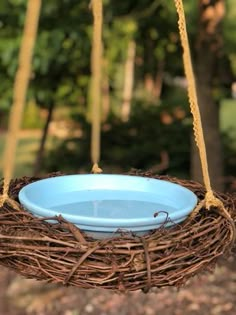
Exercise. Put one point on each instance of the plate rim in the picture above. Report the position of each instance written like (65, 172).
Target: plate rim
(106, 222)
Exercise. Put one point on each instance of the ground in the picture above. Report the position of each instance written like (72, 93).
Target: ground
(212, 294)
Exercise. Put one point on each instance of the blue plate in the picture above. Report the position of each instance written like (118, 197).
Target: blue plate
(100, 204)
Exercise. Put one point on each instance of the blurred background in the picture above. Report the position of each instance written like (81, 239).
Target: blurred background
(146, 122)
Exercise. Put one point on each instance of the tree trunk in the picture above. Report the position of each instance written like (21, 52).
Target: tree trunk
(41, 150)
(105, 92)
(153, 83)
(209, 47)
(128, 81)
(157, 89)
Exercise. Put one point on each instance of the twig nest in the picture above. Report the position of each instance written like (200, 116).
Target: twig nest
(61, 253)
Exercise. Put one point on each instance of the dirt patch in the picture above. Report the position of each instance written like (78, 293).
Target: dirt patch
(206, 295)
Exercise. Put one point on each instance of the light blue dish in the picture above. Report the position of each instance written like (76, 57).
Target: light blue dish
(101, 204)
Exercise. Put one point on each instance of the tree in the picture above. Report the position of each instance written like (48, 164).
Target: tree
(59, 74)
(61, 66)
(128, 81)
(209, 57)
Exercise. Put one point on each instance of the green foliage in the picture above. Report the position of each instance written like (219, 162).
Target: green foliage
(229, 154)
(27, 146)
(31, 117)
(61, 75)
(61, 53)
(230, 31)
(137, 143)
(227, 117)
(61, 64)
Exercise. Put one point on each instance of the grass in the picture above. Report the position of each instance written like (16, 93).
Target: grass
(25, 154)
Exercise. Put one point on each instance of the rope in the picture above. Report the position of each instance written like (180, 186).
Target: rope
(96, 67)
(210, 199)
(19, 93)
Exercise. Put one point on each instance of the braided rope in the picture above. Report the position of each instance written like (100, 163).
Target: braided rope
(96, 67)
(19, 92)
(193, 101)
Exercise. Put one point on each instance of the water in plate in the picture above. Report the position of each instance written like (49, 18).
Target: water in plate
(117, 209)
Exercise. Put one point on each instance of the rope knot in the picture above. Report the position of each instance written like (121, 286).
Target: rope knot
(3, 198)
(96, 169)
(212, 201)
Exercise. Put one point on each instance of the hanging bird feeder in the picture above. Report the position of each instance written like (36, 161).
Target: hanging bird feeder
(117, 232)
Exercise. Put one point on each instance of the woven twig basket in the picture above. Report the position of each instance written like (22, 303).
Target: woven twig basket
(61, 253)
